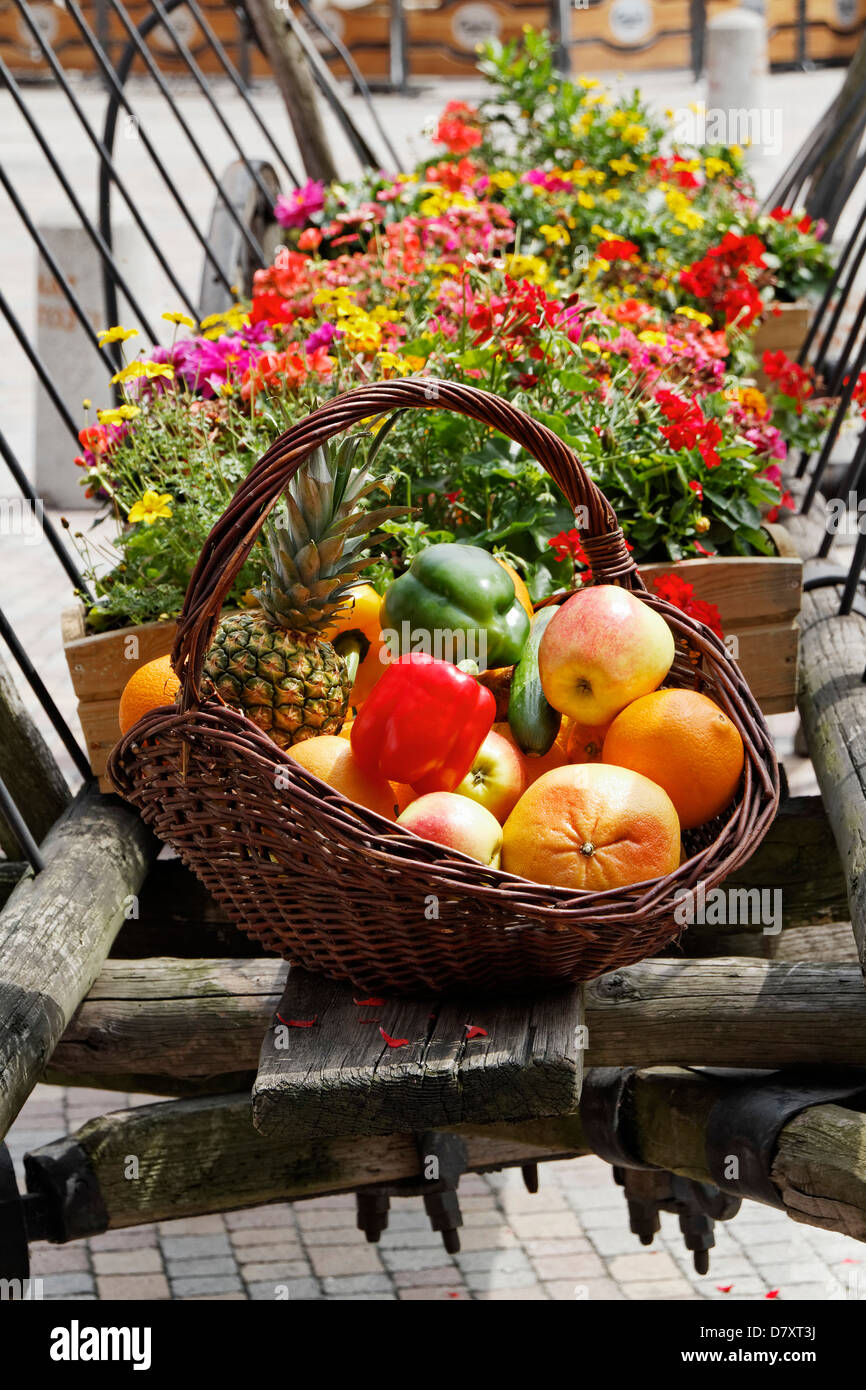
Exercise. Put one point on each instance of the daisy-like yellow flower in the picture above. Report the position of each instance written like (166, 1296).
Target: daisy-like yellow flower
(226, 389)
(115, 417)
(150, 507)
(502, 180)
(530, 268)
(635, 134)
(588, 83)
(182, 319)
(649, 335)
(392, 364)
(116, 335)
(713, 167)
(554, 235)
(622, 166)
(585, 200)
(695, 314)
(754, 400)
(414, 362)
(618, 119)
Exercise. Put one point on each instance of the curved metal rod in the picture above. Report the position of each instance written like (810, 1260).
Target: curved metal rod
(357, 76)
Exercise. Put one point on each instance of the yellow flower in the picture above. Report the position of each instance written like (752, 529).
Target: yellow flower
(635, 134)
(736, 151)
(617, 119)
(586, 200)
(650, 336)
(554, 236)
(150, 507)
(116, 335)
(587, 83)
(415, 363)
(714, 167)
(530, 268)
(622, 166)
(390, 362)
(689, 313)
(114, 417)
(226, 389)
(503, 180)
(180, 319)
(753, 400)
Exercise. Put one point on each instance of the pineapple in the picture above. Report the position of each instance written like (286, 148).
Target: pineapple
(274, 663)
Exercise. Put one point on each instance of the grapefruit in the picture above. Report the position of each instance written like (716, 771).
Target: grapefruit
(592, 827)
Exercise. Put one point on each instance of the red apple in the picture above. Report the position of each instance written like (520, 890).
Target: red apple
(497, 777)
(458, 822)
(603, 649)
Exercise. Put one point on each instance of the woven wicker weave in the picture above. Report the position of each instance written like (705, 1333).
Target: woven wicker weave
(335, 887)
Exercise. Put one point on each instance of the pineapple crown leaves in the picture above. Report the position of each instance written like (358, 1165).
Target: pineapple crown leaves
(319, 537)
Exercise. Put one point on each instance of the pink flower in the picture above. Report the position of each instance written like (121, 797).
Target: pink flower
(296, 208)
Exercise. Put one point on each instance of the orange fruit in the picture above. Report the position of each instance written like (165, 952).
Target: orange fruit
(585, 742)
(361, 617)
(519, 586)
(588, 826)
(685, 743)
(152, 685)
(331, 758)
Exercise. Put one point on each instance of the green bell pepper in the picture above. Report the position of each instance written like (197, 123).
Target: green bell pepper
(451, 598)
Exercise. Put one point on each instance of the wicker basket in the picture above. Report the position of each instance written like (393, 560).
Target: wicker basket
(335, 887)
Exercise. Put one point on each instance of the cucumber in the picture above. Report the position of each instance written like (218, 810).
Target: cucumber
(534, 722)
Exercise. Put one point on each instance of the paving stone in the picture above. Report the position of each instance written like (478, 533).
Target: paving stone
(477, 1279)
(193, 1226)
(64, 1285)
(345, 1201)
(291, 1290)
(543, 1224)
(660, 1289)
(547, 1199)
(128, 1286)
(569, 1245)
(139, 1238)
(446, 1276)
(206, 1284)
(360, 1298)
(236, 1297)
(194, 1247)
(583, 1290)
(268, 1254)
(259, 1216)
(256, 1236)
(214, 1264)
(58, 1259)
(531, 1293)
(577, 1267)
(354, 1259)
(436, 1294)
(278, 1271)
(417, 1259)
(614, 1240)
(346, 1285)
(485, 1238)
(141, 1261)
(509, 1261)
(345, 1235)
(649, 1264)
(319, 1218)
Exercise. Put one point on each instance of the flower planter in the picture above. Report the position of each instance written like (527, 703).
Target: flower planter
(782, 332)
(758, 598)
(100, 664)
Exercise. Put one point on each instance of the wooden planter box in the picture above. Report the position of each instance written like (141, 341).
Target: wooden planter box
(785, 331)
(758, 598)
(100, 664)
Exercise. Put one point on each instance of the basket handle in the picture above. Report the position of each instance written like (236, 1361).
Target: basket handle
(233, 536)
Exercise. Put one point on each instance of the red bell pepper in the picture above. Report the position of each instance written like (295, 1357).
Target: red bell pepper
(423, 723)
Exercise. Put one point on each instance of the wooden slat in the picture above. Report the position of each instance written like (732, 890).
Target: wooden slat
(317, 1081)
(27, 768)
(56, 930)
(206, 1019)
(102, 663)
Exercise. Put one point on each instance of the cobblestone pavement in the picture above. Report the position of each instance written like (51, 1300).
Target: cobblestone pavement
(570, 1240)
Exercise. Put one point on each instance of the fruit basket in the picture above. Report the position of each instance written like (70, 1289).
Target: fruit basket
(339, 889)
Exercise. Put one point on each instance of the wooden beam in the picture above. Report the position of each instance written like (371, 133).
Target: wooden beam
(165, 1026)
(294, 81)
(27, 768)
(56, 930)
(453, 1061)
(205, 1155)
(832, 701)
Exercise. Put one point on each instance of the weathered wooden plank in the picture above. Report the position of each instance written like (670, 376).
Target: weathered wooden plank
(168, 1024)
(11, 871)
(55, 932)
(205, 1155)
(832, 942)
(333, 1059)
(27, 768)
(832, 703)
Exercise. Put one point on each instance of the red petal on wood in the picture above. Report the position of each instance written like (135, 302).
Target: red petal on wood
(472, 1031)
(297, 1022)
(371, 1003)
(394, 1042)
(774, 1293)
(724, 1288)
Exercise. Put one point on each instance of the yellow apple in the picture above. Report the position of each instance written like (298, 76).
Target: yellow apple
(603, 649)
(497, 777)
